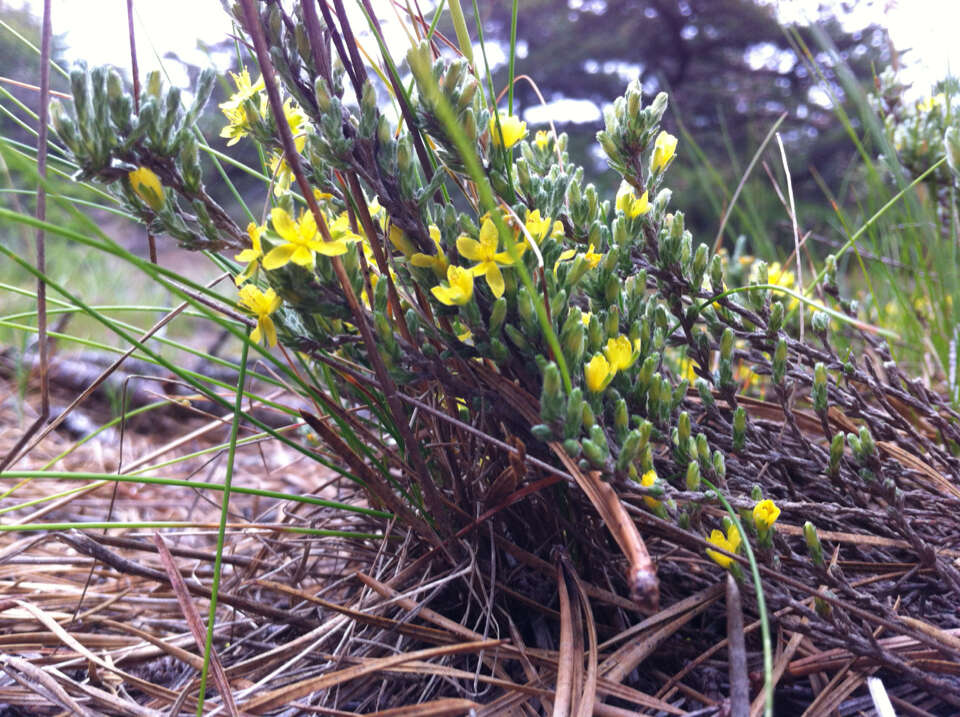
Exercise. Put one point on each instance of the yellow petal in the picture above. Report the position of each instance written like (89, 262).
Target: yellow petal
(278, 256)
(283, 224)
(332, 248)
(269, 329)
(469, 248)
(495, 279)
(302, 256)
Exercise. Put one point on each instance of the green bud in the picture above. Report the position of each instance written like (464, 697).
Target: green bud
(572, 447)
(756, 493)
(620, 418)
(611, 290)
(589, 420)
(632, 445)
(516, 337)
(498, 350)
(542, 432)
(703, 448)
(776, 318)
(719, 465)
(551, 396)
(706, 396)
(693, 476)
(780, 359)
(683, 427)
(867, 443)
(716, 274)
(820, 323)
(595, 334)
(574, 343)
(836, 453)
(497, 314)
(856, 447)
(726, 344)
(830, 269)
(594, 453)
(525, 307)
(813, 543)
(573, 421)
(739, 429)
(819, 391)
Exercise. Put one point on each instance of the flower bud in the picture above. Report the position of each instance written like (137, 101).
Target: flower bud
(693, 476)
(739, 429)
(813, 543)
(836, 453)
(780, 359)
(551, 395)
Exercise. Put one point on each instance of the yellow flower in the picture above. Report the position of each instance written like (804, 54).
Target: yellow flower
(664, 148)
(261, 304)
(779, 276)
(485, 253)
(146, 185)
(648, 480)
(592, 258)
(542, 139)
(250, 256)
(928, 104)
(400, 241)
(459, 289)
(729, 542)
(437, 262)
(540, 227)
(598, 373)
(687, 369)
(765, 514)
(233, 109)
(619, 353)
(629, 204)
(301, 242)
(513, 130)
(585, 317)
(465, 336)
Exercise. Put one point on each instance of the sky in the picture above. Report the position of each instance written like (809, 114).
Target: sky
(96, 30)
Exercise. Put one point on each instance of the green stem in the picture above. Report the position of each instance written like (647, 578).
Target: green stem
(222, 529)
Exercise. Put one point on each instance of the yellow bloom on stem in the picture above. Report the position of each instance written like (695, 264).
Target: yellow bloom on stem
(664, 148)
(598, 373)
(301, 242)
(687, 370)
(540, 227)
(592, 258)
(512, 127)
(619, 352)
(778, 276)
(542, 139)
(146, 185)
(629, 204)
(233, 109)
(438, 262)
(459, 289)
(928, 104)
(250, 256)
(485, 253)
(648, 480)
(765, 514)
(729, 542)
(261, 304)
